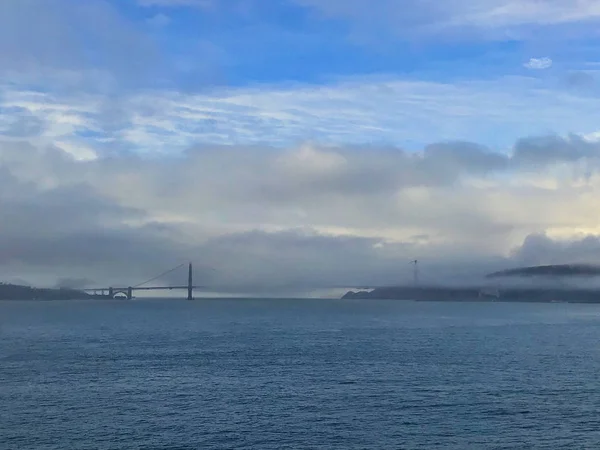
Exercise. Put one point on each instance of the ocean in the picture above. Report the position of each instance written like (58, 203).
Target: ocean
(298, 374)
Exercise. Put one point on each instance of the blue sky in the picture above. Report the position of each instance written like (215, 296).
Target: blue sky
(244, 42)
(405, 72)
(329, 140)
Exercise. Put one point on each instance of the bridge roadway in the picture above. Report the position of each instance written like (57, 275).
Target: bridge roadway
(153, 288)
(128, 291)
(110, 292)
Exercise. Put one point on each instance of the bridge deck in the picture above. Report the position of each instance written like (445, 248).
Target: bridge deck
(147, 288)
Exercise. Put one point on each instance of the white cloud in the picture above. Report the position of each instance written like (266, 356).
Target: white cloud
(361, 111)
(459, 16)
(498, 13)
(79, 151)
(539, 63)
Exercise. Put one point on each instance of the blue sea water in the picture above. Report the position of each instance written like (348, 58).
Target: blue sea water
(298, 374)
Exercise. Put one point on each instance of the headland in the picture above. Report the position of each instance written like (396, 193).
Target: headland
(19, 292)
(466, 294)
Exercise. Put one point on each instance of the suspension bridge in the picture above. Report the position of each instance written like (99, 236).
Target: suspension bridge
(112, 292)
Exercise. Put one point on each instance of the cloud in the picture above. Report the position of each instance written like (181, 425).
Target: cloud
(177, 3)
(548, 149)
(547, 23)
(160, 20)
(539, 249)
(538, 63)
(442, 16)
(20, 123)
(36, 35)
(272, 219)
(96, 46)
(361, 111)
(70, 230)
(425, 16)
(580, 80)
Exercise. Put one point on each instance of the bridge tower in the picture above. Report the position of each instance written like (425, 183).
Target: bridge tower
(129, 293)
(111, 292)
(190, 283)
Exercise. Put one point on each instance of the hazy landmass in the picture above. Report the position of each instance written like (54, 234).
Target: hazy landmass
(20, 292)
(432, 293)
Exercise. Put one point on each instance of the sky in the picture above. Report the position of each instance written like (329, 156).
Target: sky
(289, 145)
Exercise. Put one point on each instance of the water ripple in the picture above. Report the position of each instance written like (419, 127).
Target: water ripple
(274, 374)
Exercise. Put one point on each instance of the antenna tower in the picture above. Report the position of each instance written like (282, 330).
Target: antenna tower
(415, 271)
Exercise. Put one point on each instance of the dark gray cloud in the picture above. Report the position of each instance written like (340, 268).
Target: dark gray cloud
(539, 249)
(451, 160)
(74, 231)
(541, 151)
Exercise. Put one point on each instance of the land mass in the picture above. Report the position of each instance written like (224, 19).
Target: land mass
(18, 292)
(462, 294)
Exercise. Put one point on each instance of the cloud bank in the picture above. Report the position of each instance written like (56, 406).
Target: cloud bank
(258, 219)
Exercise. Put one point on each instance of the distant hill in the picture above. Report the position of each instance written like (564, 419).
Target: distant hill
(556, 270)
(18, 292)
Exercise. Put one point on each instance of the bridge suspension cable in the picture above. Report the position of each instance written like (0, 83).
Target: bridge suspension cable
(160, 276)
